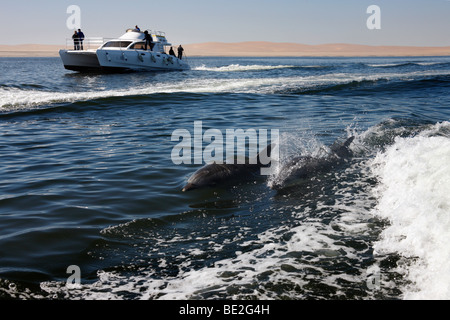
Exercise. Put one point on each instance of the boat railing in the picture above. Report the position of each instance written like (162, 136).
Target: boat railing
(157, 33)
(94, 43)
(86, 44)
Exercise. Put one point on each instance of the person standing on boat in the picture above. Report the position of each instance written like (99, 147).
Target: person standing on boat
(171, 52)
(80, 39)
(180, 52)
(148, 40)
(76, 41)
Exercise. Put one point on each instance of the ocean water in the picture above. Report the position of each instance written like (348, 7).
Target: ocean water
(91, 204)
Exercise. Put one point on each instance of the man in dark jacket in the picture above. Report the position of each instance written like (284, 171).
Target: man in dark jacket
(76, 41)
(180, 52)
(81, 39)
(148, 41)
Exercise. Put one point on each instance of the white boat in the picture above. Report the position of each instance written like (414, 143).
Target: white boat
(126, 53)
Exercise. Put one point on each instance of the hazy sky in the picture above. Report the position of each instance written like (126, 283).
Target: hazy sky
(403, 22)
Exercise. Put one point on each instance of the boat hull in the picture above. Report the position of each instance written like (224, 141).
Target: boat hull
(80, 60)
(140, 60)
(116, 61)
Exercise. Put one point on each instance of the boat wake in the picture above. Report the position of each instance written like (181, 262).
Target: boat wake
(414, 179)
(242, 68)
(389, 207)
(14, 99)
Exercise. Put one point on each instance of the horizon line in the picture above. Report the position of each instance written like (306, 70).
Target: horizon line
(257, 49)
(272, 42)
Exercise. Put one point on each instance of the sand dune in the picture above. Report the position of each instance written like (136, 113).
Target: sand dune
(30, 50)
(255, 48)
(266, 49)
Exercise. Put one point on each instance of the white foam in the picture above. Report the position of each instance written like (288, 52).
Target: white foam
(294, 261)
(384, 65)
(414, 195)
(238, 68)
(428, 63)
(17, 99)
(12, 99)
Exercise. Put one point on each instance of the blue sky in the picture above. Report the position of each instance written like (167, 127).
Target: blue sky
(403, 22)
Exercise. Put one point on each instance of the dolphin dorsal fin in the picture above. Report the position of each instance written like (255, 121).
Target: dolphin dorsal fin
(342, 150)
(337, 145)
(349, 142)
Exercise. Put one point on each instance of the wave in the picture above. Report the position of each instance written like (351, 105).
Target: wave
(243, 68)
(413, 196)
(240, 68)
(405, 64)
(330, 88)
(13, 99)
(390, 65)
(355, 84)
(23, 86)
(16, 100)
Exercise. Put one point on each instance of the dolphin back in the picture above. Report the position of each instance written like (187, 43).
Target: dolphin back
(302, 168)
(215, 174)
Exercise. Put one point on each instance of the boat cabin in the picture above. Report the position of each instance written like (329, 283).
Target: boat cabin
(134, 40)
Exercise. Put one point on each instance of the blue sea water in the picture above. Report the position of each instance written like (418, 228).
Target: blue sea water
(87, 180)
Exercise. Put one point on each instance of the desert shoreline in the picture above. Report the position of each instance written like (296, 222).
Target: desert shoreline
(257, 49)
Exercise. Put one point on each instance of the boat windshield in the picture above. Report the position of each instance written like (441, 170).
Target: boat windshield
(138, 45)
(117, 44)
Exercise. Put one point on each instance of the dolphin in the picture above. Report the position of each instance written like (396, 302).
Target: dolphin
(216, 174)
(304, 167)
